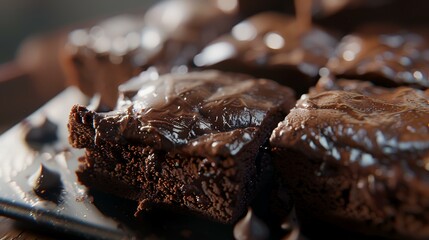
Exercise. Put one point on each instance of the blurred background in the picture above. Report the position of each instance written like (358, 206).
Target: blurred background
(20, 19)
(32, 29)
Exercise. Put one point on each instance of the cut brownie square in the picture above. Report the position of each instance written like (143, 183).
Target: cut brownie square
(191, 142)
(168, 35)
(274, 46)
(359, 161)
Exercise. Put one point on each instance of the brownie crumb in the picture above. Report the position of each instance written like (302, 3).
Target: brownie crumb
(40, 135)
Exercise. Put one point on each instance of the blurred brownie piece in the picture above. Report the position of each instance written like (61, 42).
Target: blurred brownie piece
(252, 7)
(192, 142)
(387, 56)
(271, 45)
(349, 15)
(100, 58)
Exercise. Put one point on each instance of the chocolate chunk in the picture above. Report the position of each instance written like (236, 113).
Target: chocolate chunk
(251, 228)
(41, 135)
(48, 185)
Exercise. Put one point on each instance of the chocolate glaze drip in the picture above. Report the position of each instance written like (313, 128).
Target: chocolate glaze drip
(386, 55)
(251, 228)
(191, 111)
(323, 8)
(252, 7)
(48, 185)
(271, 45)
(41, 135)
(348, 15)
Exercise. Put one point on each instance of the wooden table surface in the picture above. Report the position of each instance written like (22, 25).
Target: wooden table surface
(11, 230)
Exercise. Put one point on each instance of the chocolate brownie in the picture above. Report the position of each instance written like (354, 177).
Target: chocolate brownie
(388, 56)
(192, 142)
(274, 46)
(168, 35)
(359, 161)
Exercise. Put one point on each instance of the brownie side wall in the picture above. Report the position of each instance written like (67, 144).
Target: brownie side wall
(336, 195)
(207, 186)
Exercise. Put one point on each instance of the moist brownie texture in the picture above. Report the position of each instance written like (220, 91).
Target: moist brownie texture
(168, 35)
(388, 56)
(191, 142)
(359, 161)
(274, 46)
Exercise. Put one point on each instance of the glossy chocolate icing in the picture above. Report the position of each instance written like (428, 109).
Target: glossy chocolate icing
(386, 55)
(274, 46)
(351, 129)
(379, 141)
(210, 110)
(48, 185)
(167, 36)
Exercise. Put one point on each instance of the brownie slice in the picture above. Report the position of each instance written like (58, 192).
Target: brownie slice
(359, 161)
(386, 55)
(191, 142)
(168, 35)
(274, 46)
